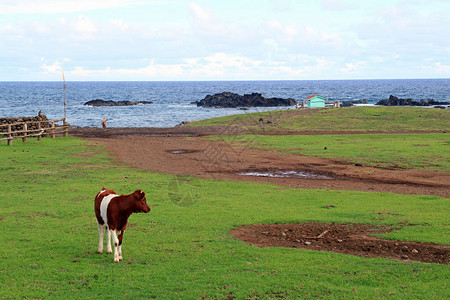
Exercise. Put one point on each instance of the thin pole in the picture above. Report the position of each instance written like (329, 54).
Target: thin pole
(64, 87)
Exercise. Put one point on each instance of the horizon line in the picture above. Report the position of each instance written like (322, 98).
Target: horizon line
(231, 80)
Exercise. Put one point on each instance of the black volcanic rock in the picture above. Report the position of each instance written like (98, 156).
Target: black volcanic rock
(231, 100)
(100, 102)
(395, 101)
(351, 103)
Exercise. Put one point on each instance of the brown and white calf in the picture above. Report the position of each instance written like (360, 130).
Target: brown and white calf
(112, 212)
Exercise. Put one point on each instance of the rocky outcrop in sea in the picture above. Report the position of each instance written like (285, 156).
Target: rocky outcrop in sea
(231, 100)
(395, 101)
(351, 103)
(100, 102)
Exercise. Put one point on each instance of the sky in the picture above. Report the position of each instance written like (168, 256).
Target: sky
(182, 40)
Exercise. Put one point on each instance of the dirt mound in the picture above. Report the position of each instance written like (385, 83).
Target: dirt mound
(355, 239)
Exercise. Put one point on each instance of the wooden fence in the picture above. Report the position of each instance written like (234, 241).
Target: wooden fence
(33, 129)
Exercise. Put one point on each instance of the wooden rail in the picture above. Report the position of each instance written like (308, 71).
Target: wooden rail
(39, 132)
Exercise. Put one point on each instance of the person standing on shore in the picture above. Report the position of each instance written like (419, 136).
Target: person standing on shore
(104, 122)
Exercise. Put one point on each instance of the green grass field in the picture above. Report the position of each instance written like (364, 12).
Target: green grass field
(345, 119)
(405, 151)
(182, 249)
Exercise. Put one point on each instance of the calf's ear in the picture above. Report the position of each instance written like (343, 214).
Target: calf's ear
(139, 194)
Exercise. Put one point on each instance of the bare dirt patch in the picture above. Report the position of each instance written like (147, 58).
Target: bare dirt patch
(354, 239)
(183, 151)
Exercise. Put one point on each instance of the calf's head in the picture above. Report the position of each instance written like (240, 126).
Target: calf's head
(141, 202)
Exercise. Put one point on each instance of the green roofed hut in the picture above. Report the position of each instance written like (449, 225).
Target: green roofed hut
(315, 101)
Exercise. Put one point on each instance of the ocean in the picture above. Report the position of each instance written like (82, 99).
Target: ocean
(171, 100)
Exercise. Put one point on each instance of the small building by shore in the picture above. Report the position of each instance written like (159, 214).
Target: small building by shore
(315, 101)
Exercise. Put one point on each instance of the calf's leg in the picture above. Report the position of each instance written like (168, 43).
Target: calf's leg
(116, 245)
(101, 232)
(120, 237)
(108, 241)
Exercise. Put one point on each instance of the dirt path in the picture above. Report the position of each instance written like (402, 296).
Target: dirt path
(175, 154)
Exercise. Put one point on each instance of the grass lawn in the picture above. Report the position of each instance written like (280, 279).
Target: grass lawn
(372, 118)
(182, 249)
(406, 151)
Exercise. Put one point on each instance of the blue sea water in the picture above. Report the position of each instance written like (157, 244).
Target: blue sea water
(171, 100)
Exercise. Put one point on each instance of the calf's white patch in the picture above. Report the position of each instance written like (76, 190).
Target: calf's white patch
(104, 207)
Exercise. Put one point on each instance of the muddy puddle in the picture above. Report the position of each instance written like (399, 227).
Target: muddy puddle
(285, 174)
(182, 151)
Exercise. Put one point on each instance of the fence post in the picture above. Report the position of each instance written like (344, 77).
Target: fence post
(53, 129)
(9, 135)
(25, 129)
(66, 128)
(39, 137)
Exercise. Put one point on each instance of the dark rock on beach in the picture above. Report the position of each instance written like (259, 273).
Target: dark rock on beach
(351, 103)
(231, 100)
(100, 102)
(395, 101)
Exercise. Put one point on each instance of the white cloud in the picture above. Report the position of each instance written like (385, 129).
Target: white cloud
(54, 68)
(58, 6)
(323, 63)
(281, 5)
(227, 60)
(201, 14)
(198, 39)
(120, 24)
(81, 72)
(304, 38)
(286, 70)
(212, 28)
(353, 66)
(410, 27)
(379, 59)
(441, 68)
(217, 66)
(337, 5)
(150, 71)
(288, 31)
(84, 25)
